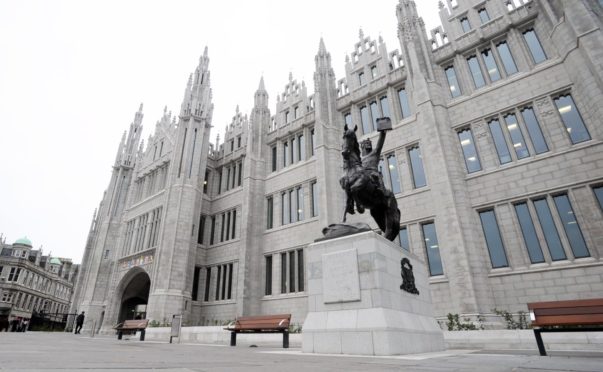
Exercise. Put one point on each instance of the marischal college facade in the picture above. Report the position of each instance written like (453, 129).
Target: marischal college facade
(495, 157)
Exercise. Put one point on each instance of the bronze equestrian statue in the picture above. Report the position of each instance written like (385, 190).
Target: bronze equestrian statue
(363, 183)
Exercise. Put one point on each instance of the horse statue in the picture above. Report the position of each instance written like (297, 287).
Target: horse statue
(363, 183)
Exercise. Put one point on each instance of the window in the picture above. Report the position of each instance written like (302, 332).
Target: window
(301, 140)
(300, 270)
(361, 78)
(403, 239)
(287, 116)
(205, 182)
(231, 145)
(534, 46)
(551, 236)
(504, 156)
(294, 150)
(494, 242)
(394, 179)
(220, 171)
(453, 83)
(365, 120)
(223, 226)
(519, 144)
(384, 107)
(268, 283)
(540, 146)
(491, 65)
(506, 58)
(571, 226)
(416, 167)
(597, 190)
(283, 272)
(314, 190)
(476, 72)
(273, 150)
(195, 283)
(347, 119)
(285, 154)
(529, 233)
(213, 230)
(292, 271)
(432, 248)
(296, 112)
(269, 212)
(404, 105)
(483, 15)
(285, 208)
(234, 224)
(465, 24)
(238, 141)
(374, 113)
(469, 151)
(571, 119)
(292, 206)
(207, 283)
(300, 203)
(240, 168)
(374, 72)
(312, 141)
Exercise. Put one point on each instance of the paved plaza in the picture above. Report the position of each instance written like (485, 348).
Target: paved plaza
(35, 351)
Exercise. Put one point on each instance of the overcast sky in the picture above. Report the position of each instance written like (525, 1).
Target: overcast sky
(73, 73)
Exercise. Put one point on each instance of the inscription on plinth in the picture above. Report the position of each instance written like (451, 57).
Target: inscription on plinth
(340, 280)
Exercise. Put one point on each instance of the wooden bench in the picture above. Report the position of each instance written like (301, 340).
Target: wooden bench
(260, 324)
(132, 326)
(573, 315)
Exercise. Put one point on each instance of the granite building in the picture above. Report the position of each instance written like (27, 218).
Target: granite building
(495, 158)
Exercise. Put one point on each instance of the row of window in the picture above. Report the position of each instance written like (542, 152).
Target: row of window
(377, 108)
(292, 205)
(142, 232)
(233, 176)
(294, 150)
(218, 282)
(151, 183)
(29, 302)
(539, 220)
(291, 271)
(34, 281)
(484, 64)
(228, 227)
(508, 132)
(232, 143)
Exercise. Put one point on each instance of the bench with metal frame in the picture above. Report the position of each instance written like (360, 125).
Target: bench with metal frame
(260, 324)
(132, 326)
(565, 316)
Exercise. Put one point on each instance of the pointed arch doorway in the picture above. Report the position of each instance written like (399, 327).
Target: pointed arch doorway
(134, 295)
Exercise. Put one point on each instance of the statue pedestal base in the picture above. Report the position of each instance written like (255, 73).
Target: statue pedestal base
(355, 302)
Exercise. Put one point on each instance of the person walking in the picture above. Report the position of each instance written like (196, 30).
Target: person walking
(79, 323)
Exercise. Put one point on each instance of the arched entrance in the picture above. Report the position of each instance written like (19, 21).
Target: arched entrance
(135, 296)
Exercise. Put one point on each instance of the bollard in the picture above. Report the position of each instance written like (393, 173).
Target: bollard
(93, 328)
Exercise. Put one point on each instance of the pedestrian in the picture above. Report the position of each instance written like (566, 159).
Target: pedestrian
(79, 323)
(25, 325)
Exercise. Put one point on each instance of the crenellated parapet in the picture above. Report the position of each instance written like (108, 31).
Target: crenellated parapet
(292, 105)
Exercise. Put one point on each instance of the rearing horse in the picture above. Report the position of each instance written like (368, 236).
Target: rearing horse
(363, 184)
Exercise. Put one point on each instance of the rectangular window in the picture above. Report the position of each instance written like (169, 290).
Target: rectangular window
(300, 270)
(292, 206)
(285, 154)
(296, 112)
(222, 227)
(469, 151)
(465, 24)
(300, 203)
(213, 230)
(283, 272)
(228, 179)
(230, 267)
(218, 277)
(224, 269)
(597, 190)
(549, 229)
(432, 248)
(201, 234)
(234, 224)
(529, 233)
(534, 46)
(287, 117)
(519, 144)
(506, 57)
(195, 283)
(534, 131)
(294, 150)
(384, 107)
(374, 113)
(365, 120)
(347, 119)
(239, 176)
(207, 283)
(404, 105)
(205, 182)
(491, 65)
(453, 84)
(403, 239)
(504, 156)
(361, 78)
(312, 142)
(220, 180)
(394, 179)
(268, 283)
(301, 140)
(572, 119)
(269, 212)
(483, 15)
(494, 242)
(292, 271)
(285, 208)
(273, 158)
(476, 72)
(571, 226)
(11, 274)
(373, 72)
(314, 189)
(238, 141)
(416, 167)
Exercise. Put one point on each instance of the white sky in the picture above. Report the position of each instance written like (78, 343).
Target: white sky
(73, 73)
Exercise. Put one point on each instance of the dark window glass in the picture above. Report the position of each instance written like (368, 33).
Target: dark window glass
(269, 213)
(571, 226)
(285, 153)
(504, 156)
(469, 151)
(294, 150)
(599, 194)
(234, 224)
(374, 113)
(239, 174)
(223, 227)
(392, 165)
(491, 65)
(312, 142)
(432, 248)
(268, 285)
(205, 182)
(213, 230)
(283, 272)
(285, 208)
(476, 72)
(549, 229)
(384, 107)
(453, 84)
(207, 283)
(195, 283)
(224, 268)
(314, 188)
(465, 25)
(506, 57)
(300, 270)
(201, 234)
(483, 15)
(403, 239)
(292, 206)
(529, 233)
(301, 140)
(534, 46)
(218, 277)
(361, 78)
(404, 105)
(220, 171)
(292, 271)
(534, 131)
(229, 281)
(498, 257)
(519, 144)
(374, 71)
(364, 118)
(416, 167)
(572, 119)
(274, 158)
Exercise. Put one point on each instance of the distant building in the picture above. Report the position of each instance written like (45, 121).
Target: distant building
(31, 283)
(495, 157)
